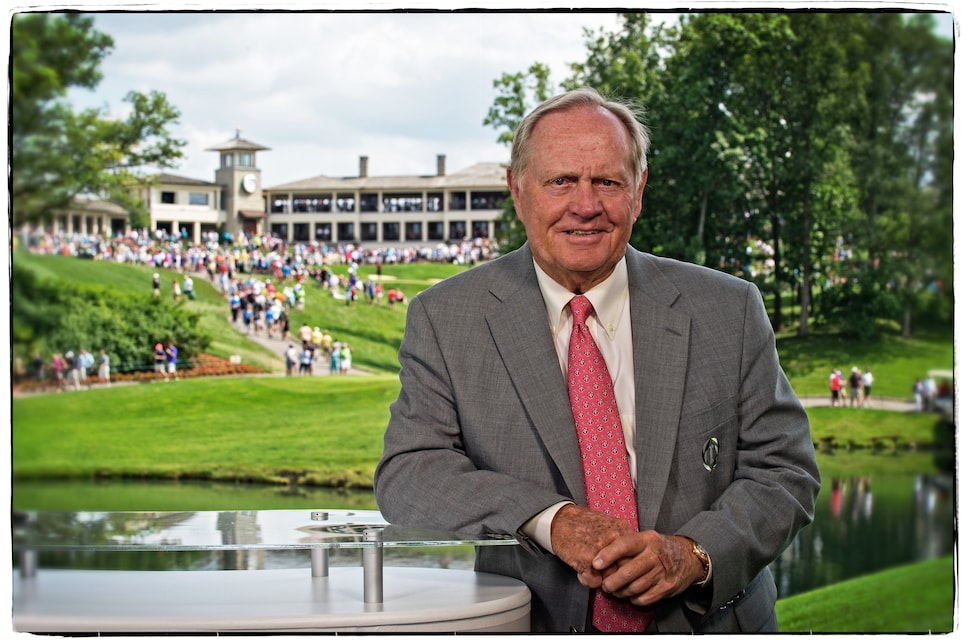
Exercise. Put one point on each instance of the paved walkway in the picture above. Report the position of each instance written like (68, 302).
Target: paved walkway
(889, 404)
(278, 346)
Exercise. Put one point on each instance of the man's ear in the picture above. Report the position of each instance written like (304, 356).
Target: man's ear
(640, 192)
(514, 186)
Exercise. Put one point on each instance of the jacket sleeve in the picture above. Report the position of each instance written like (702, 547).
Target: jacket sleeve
(775, 478)
(459, 453)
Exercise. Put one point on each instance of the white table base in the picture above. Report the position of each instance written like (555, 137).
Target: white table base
(291, 600)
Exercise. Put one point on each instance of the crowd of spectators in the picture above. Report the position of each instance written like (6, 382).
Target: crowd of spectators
(256, 253)
(262, 276)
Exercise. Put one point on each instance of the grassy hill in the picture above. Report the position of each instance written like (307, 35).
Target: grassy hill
(376, 331)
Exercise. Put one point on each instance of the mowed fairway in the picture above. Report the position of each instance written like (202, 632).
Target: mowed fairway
(329, 430)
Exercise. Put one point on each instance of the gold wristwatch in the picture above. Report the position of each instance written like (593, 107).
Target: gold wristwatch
(703, 556)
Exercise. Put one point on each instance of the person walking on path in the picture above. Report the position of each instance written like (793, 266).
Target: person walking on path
(291, 357)
(171, 353)
(189, 287)
(835, 385)
(345, 359)
(159, 360)
(104, 368)
(855, 387)
(917, 394)
(73, 370)
(335, 359)
(867, 380)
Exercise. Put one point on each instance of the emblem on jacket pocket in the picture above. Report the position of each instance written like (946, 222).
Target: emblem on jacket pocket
(709, 454)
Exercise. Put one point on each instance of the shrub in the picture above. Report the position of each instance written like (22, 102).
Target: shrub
(53, 316)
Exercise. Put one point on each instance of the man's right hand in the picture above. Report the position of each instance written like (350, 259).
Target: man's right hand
(577, 535)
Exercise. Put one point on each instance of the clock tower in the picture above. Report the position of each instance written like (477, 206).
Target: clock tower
(241, 186)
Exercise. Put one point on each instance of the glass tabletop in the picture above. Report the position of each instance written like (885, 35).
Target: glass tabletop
(225, 530)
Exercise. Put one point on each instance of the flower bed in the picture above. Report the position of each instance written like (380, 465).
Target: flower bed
(203, 365)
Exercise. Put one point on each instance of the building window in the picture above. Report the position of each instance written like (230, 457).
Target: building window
(434, 202)
(486, 200)
(369, 202)
(198, 198)
(323, 232)
(246, 159)
(227, 159)
(414, 231)
(312, 203)
(434, 231)
(280, 230)
(345, 202)
(168, 196)
(457, 201)
(279, 205)
(300, 232)
(346, 231)
(118, 226)
(369, 231)
(390, 231)
(481, 229)
(402, 202)
(457, 230)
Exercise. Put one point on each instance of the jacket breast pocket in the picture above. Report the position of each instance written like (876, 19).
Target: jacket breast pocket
(709, 437)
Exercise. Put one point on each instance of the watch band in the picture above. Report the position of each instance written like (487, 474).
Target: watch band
(705, 560)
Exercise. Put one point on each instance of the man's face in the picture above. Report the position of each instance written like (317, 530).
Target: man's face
(578, 197)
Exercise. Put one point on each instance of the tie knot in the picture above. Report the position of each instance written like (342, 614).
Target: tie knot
(580, 307)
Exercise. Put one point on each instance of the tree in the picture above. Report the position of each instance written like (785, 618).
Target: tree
(517, 94)
(57, 153)
(904, 163)
(629, 64)
(824, 139)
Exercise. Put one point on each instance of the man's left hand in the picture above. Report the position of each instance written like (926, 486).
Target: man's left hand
(646, 567)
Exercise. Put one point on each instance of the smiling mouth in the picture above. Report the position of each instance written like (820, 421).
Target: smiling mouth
(582, 233)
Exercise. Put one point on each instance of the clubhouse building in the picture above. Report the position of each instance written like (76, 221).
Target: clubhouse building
(388, 211)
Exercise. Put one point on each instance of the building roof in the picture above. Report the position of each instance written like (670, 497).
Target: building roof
(237, 143)
(480, 175)
(89, 203)
(175, 179)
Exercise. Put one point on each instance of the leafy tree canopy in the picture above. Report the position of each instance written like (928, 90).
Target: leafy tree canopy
(59, 153)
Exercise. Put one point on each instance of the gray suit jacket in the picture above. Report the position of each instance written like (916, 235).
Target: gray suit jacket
(482, 437)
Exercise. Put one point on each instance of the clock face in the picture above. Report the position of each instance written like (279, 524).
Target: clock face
(249, 183)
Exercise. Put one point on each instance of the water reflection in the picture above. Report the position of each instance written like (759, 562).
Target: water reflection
(866, 524)
(863, 524)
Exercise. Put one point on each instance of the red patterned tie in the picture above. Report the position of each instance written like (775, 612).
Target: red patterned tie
(607, 476)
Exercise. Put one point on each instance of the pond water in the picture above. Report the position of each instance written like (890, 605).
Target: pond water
(862, 524)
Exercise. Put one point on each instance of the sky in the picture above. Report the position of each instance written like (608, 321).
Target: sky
(323, 88)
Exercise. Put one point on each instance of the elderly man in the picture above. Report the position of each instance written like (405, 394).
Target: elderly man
(623, 415)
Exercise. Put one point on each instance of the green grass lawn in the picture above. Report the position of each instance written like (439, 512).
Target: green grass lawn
(918, 598)
(376, 331)
(895, 362)
(255, 428)
(229, 429)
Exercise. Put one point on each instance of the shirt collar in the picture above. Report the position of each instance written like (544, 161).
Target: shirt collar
(609, 298)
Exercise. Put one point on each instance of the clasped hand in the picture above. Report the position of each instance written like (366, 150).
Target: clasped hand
(644, 567)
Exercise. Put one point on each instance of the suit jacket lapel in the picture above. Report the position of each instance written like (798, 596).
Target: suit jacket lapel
(661, 337)
(532, 364)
